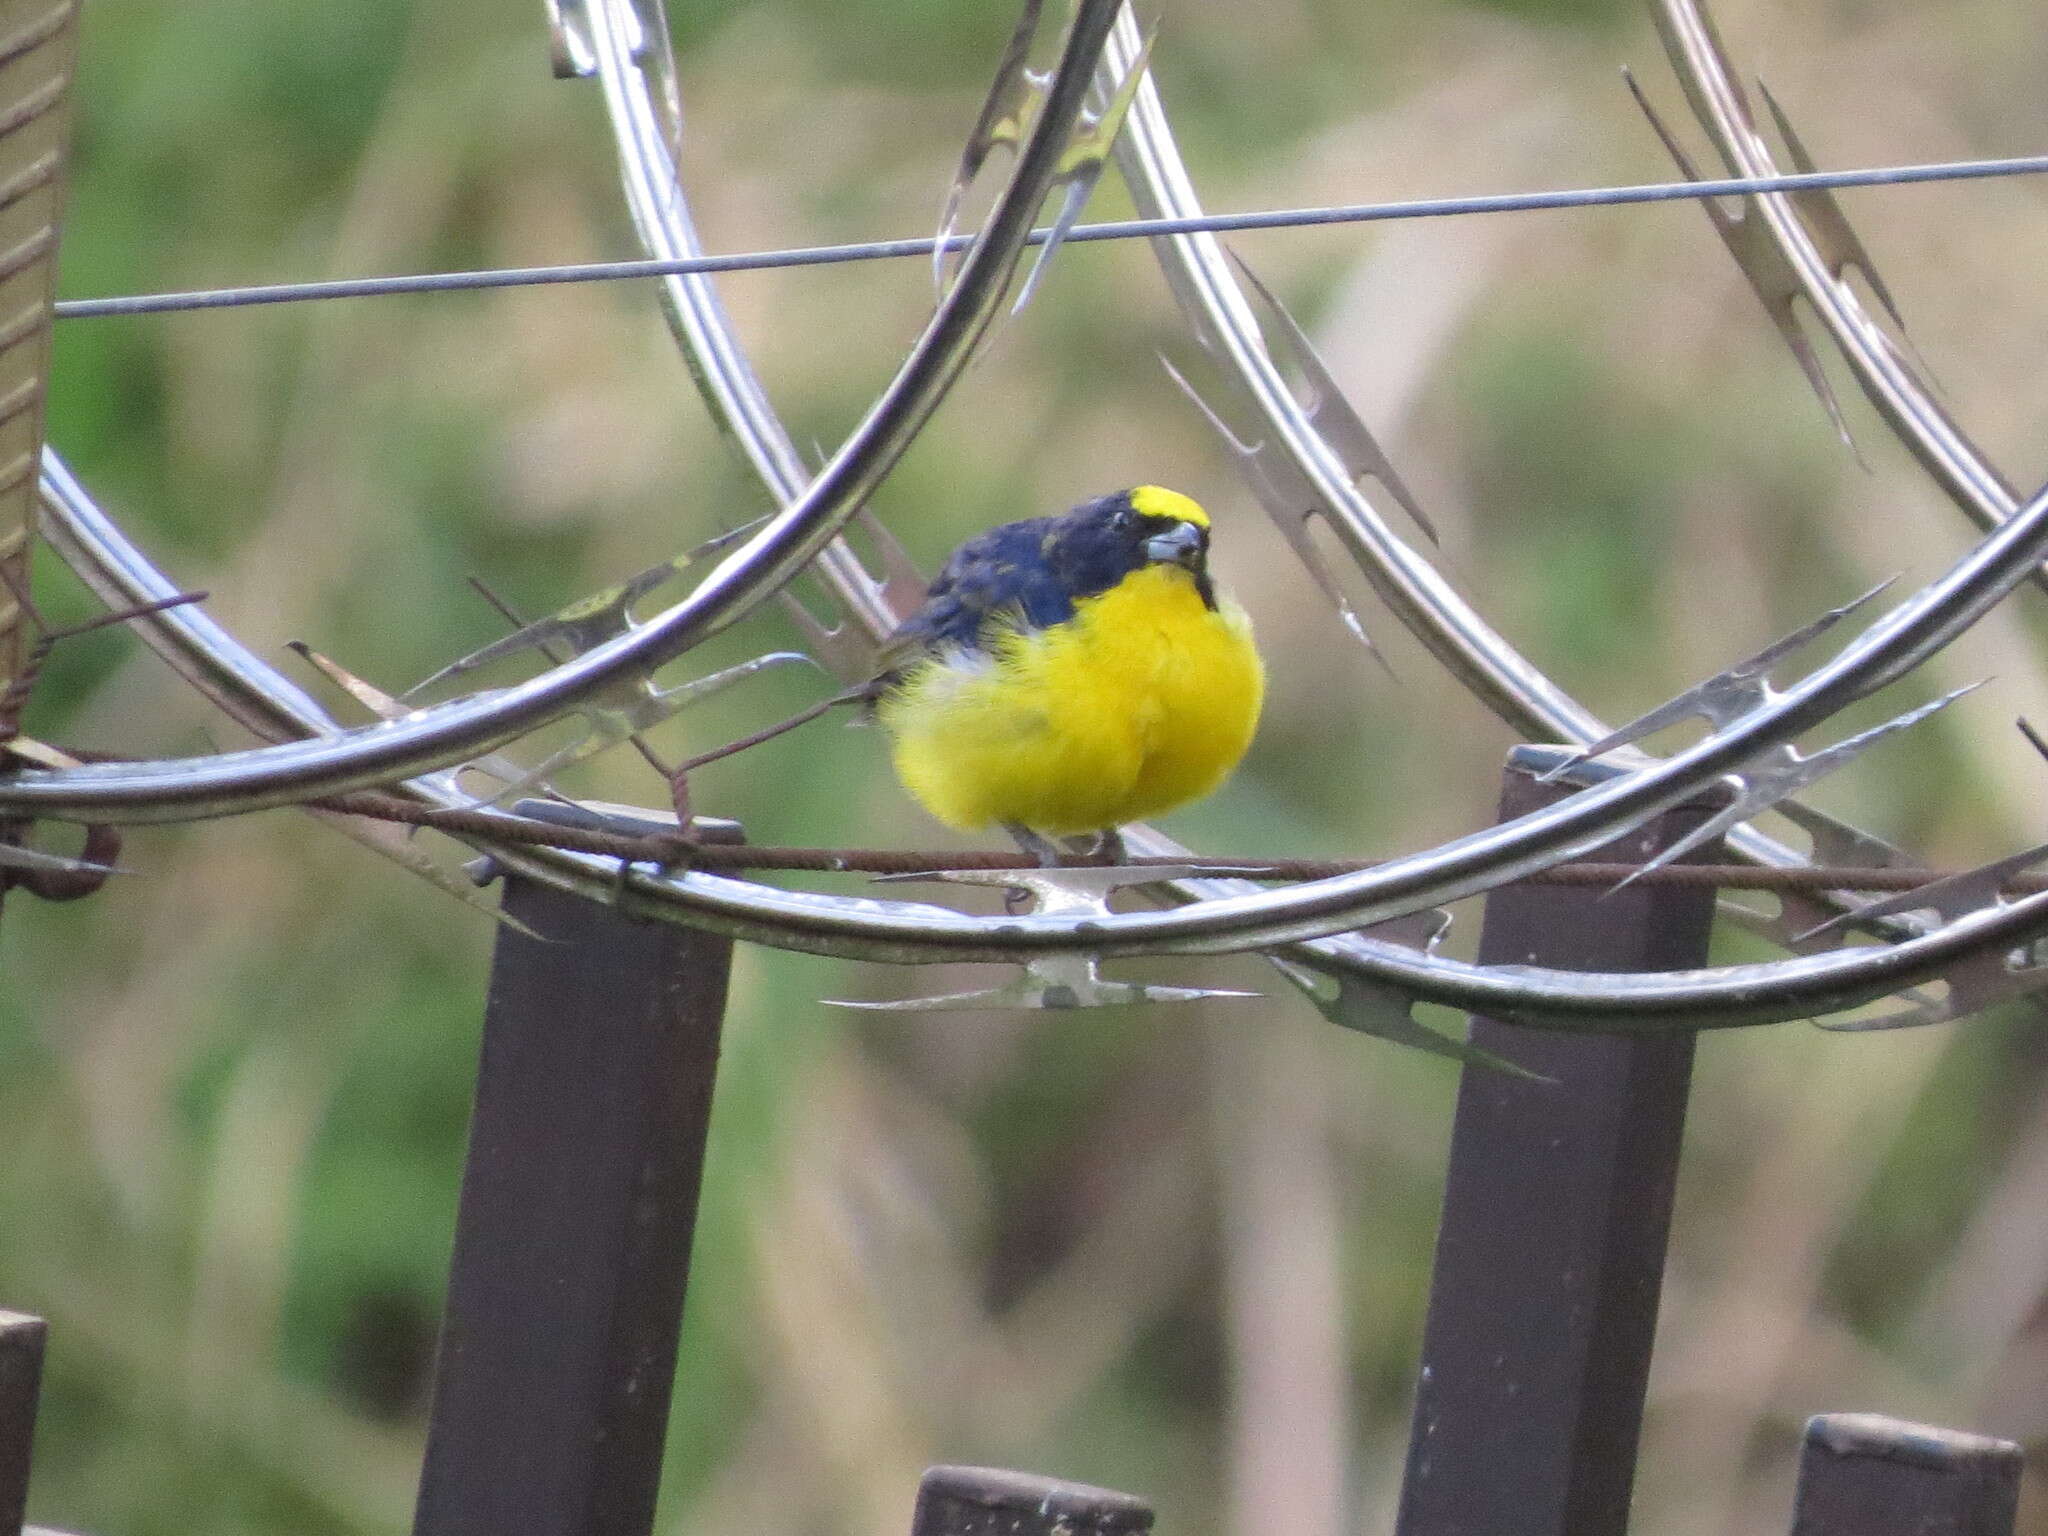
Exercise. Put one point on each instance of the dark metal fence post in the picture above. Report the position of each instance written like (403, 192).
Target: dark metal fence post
(21, 1383)
(1557, 1208)
(572, 1244)
(988, 1501)
(1862, 1474)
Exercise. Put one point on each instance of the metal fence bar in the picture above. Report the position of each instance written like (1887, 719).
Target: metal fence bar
(1557, 1207)
(21, 1384)
(1862, 1474)
(988, 1501)
(572, 1245)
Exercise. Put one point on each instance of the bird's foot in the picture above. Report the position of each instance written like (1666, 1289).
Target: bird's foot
(1103, 847)
(1108, 846)
(1044, 853)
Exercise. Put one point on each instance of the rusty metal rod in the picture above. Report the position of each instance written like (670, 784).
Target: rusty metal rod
(670, 849)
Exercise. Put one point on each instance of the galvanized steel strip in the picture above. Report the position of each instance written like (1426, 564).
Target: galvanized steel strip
(38, 43)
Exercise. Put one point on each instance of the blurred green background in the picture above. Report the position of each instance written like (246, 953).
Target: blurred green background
(1178, 1251)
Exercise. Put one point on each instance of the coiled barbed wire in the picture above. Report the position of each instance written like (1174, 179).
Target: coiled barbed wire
(1882, 661)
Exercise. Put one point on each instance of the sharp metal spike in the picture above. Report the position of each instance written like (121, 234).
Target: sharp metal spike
(386, 707)
(1836, 239)
(1838, 843)
(379, 703)
(902, 584)
(17, 856)
(842, 648)
(849, 648)
(897, 589)
(1764, 660)
(397, 844)
(1782, 771)
(1952, 896)
(1420, 931)
(1829, 759)
(1288, 500)
(1974, 983)
(654, 51)
(620, 713)
(1772, 278)
(1677, 46)
(1833, 235)
(591, 620)
(1329, 411)
(2034, 737)
(1271, 475)
(1672, 147)
(1005, 117)
(845, 646)
(37, 754)
(1734, 692)
(570, 51)
(1082, 165)
(1672, 712)
(1352, 1002)
(1231, 440)
(1723, 698)
(1101, 127)
(1923, 1009)
(1056, 981)
(1063, 890)
(1770, 275)
(1981, 981)
(587, 622)
(1072, 199)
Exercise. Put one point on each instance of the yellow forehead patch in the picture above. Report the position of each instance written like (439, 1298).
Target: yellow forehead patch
(1158, 501)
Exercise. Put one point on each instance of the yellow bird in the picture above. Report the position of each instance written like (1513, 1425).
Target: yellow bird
(1069, 674)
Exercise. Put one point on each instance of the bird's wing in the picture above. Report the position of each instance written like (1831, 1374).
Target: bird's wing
(997, 579)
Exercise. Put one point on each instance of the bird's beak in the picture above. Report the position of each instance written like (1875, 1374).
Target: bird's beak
(1182, 544)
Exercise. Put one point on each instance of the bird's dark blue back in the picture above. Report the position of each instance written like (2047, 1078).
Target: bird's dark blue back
(1003, 570)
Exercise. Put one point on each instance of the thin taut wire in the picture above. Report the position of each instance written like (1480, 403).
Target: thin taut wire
(1122, 229)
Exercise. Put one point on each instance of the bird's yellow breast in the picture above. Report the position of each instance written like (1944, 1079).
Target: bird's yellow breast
(1143, 701)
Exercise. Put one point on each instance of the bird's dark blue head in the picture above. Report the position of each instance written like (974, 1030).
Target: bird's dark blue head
(1038, 569)
(1100, 542)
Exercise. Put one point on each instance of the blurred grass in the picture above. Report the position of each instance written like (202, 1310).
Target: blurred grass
(1179, 1252)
